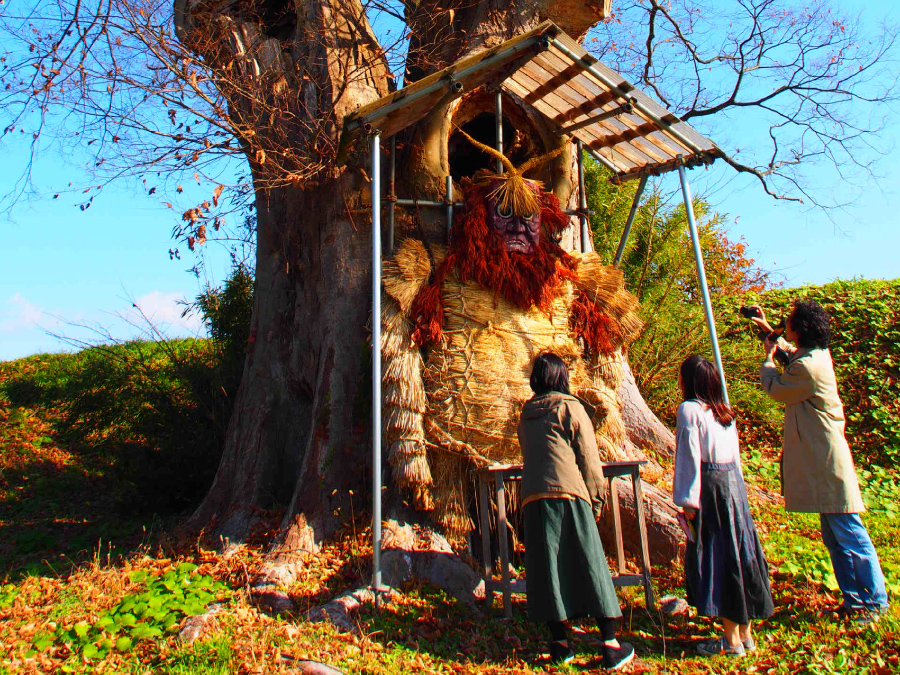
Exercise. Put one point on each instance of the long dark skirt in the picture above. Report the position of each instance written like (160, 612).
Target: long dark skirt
(568, 577)
(725, 568)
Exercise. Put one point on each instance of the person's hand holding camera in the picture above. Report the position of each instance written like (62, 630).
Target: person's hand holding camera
(767, 334)
(759, 318)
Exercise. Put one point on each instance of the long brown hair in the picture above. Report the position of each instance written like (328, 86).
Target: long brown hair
(700, 381)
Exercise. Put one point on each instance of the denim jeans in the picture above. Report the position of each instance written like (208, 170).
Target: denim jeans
(855, 561)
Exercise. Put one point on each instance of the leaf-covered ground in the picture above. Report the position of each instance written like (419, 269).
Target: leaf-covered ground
(86, 589)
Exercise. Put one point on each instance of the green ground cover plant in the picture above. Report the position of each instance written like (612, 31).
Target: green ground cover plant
(157, 608)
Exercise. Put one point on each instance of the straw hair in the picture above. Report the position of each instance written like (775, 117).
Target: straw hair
(406, 271)
(513, 193)
(477, 254)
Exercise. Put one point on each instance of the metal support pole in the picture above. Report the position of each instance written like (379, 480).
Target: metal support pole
(631, 214)
(392, 172)
(499, 122)
(449, 203)
(600, 158)
(376, 365)
(582, 198)
(701, 275)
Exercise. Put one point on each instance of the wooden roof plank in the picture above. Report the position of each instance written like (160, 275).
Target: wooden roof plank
(567, 100)
(555, 104)
(628, 120)
(556, 82)
(614, 125)
(700, 141)
(519, 89)
(458, 67)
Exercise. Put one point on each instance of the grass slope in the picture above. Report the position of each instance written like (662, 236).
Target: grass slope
(92, 443)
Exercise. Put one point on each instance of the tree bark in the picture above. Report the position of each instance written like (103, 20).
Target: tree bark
(299, 438)
(645, 430)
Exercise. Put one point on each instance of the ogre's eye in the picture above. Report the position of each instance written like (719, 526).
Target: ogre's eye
(504, 213)
(528, 217)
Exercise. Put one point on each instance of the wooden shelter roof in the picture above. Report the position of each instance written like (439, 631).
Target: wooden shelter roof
(619, 125)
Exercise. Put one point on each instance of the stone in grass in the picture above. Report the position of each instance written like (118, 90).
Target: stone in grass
(672, 605)
(197, 626)
(313, 668)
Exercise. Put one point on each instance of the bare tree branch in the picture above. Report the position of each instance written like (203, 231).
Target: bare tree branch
(813, 79)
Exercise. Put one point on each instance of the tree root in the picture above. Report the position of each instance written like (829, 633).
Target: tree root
(422, 553)
(282, 566)
(408, 553)
(339, 611)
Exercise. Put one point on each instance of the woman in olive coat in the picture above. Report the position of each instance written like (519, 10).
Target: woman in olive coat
(562, 494)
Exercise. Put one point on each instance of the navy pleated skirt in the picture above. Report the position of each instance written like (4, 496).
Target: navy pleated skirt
(725, 568)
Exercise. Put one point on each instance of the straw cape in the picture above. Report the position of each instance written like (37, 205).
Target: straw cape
(481, 315)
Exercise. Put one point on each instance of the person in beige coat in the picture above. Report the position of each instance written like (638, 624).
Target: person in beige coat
(816, 465)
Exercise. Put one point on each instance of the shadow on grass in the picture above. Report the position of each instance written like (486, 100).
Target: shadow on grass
(427, 620)
(58, 515)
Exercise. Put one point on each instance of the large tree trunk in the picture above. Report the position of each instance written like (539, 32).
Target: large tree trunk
(299, 436)
(299, 417)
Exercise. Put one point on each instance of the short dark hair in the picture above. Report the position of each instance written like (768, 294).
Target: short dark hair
(700, 381)
(549, 373)
(811, 323)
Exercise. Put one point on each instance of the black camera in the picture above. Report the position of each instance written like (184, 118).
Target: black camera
(749, 312)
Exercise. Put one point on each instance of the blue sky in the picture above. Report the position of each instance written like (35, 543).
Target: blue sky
(60, 266)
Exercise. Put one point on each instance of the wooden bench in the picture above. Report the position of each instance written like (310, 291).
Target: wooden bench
(494, 478)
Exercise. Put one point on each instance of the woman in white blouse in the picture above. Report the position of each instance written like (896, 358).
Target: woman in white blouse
(726, 574)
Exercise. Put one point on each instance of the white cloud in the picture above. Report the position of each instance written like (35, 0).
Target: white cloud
(164, 312)
(18, 314)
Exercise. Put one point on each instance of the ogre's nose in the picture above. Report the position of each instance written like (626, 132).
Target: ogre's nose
(516, 225)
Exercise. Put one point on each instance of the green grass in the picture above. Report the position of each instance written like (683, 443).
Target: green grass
(210, 657)
(102, 448)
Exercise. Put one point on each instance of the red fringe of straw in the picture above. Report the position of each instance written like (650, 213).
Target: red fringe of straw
(478, 254)
(599, 331)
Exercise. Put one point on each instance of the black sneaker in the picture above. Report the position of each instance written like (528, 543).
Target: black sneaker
(841, 612)
(561, 653)
(616, 657)
(866, 617)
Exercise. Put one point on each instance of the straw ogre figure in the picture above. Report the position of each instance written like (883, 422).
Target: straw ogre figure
(461, 326)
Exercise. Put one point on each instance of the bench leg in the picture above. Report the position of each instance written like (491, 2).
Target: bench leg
(504, 552)
(645, 549)
(484, 506)
(617, 524)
